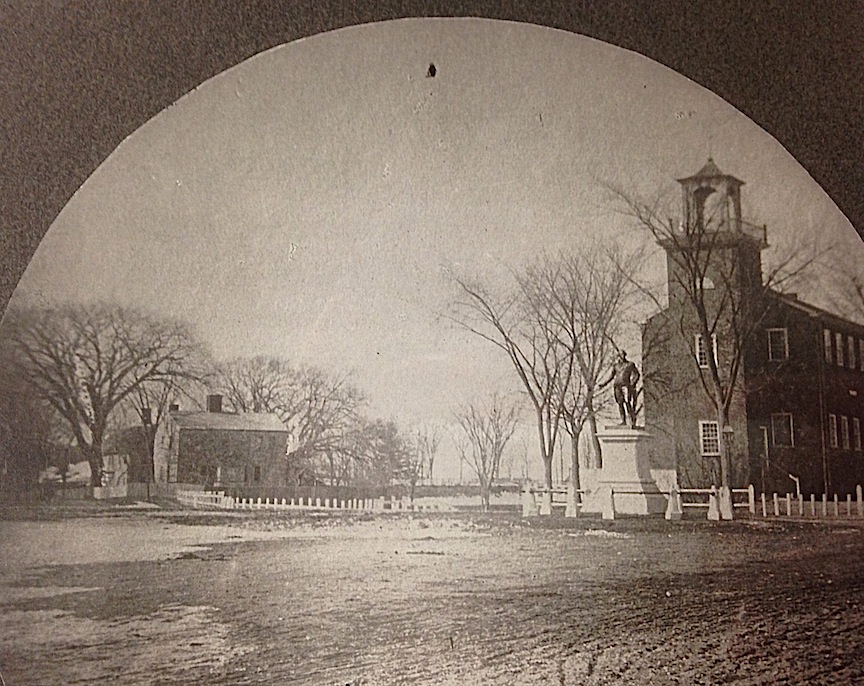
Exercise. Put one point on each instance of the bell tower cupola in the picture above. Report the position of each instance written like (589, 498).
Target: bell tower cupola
(713, 236)
(712, 200)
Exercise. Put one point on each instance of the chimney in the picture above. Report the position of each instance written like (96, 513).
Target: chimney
(173, 407)
(214, 403)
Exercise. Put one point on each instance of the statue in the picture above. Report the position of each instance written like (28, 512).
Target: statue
(625, 375)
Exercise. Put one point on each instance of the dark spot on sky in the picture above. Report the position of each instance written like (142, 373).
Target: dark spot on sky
(430, 73)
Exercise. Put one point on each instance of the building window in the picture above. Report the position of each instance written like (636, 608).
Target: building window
(781, 429)
(850, 352)
(838, 344)
(832, 431)
(256, 475)
(844, 432)
(826, 339)
(856, 434)
(778, 344)
(702, 350)
(709, 439)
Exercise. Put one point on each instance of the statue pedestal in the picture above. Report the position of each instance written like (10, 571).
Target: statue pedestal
(627, 472)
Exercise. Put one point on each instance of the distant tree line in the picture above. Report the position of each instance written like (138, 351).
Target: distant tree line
(75, 376)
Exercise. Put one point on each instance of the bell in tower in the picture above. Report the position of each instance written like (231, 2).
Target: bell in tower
(711, 200)
(713, 235)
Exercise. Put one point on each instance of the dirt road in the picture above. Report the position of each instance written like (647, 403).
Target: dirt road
(439, 600)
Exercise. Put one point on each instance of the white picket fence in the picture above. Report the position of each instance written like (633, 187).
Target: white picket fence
(219, 500)
(797, 505)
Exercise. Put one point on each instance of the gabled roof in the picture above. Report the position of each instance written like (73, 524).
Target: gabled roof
(710, 171)
(227, 421)
(817, 312)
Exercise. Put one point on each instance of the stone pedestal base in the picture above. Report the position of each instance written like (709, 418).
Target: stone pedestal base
(627, 472)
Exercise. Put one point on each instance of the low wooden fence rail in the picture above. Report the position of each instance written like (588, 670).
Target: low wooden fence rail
(678, 499)
(541, 501)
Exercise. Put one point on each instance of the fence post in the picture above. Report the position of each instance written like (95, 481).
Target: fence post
(673, 507)
(836, 506)
(724, 499)
(572, 509)
(776, 506)
(812, 504)
(788, 504)
(800, 505)
(860, 501)
(848, 504)
(764, 506)
(751, 499)
(824, 504)
(609, 503)
(713, 508)
(529, 502)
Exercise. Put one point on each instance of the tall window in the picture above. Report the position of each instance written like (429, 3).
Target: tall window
(856, 433)
(709, 439)
(826, 344)
(850, 352)
(702, 350)
(781, 429)
(832, 431)
(256, 473)
(778, 344)
(844, 432)
(838, 344)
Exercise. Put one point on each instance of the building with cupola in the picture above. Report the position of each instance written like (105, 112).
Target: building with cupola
(794, 417)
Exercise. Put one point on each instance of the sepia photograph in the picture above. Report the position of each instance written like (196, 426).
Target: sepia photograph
(383, 348)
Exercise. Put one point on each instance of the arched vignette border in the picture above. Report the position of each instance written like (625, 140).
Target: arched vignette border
(77, 78)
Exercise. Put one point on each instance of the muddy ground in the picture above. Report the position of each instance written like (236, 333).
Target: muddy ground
(155, 597)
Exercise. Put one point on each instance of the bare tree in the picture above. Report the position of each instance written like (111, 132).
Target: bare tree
(260, 384)
(582, 298)
(27, 432)
(717, 292)
(422, 457)
(85, 360)
(531, 342)
(487, 429)
(317, 408)
(383, 454)
(845, 270)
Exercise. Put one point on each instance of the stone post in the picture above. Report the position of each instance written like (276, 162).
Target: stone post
(608, 497)
(673, 508)
(529, 502)
(572, 502)
(713, 507)
(724, 497)
(546, 503)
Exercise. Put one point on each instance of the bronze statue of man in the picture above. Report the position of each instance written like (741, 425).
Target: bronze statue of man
(624, 376)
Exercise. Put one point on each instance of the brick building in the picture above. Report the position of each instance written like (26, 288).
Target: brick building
(796, 413)
(221, 449)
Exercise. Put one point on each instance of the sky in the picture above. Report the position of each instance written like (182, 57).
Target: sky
(314, 201)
